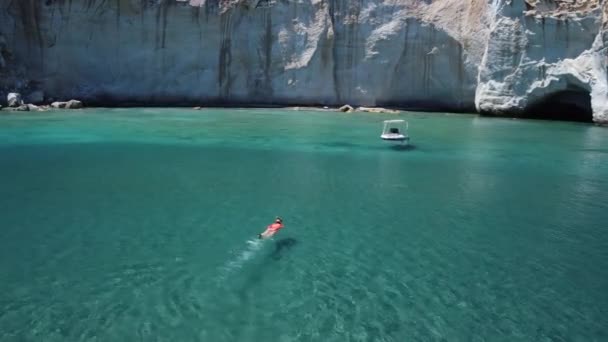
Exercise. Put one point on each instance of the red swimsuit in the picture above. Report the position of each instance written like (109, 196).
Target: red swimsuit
(275, 227)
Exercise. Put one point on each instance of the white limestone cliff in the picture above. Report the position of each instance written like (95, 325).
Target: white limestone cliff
(543, 55)
(499, 56)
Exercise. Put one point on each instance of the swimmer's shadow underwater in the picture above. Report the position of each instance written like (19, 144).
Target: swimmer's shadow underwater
(247, 287)
(256, 274)
(281, 247)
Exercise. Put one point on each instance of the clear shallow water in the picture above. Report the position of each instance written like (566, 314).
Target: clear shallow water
(140, 224)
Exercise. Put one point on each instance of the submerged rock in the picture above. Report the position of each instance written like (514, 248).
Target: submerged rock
(14, 100)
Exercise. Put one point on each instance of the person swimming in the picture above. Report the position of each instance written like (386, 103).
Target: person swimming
(272, 228)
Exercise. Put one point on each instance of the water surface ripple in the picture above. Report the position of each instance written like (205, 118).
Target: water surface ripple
(140, 225)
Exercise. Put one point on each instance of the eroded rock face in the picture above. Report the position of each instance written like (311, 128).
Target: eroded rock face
(499, 56)
(307, 52)
(545, 58)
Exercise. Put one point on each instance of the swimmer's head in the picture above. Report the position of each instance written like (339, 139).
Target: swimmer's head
(278, 220)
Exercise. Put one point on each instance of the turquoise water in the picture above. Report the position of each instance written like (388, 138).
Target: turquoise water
(140, 225)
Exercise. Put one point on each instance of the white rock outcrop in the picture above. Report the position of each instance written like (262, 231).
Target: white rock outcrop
(33, 108)
(504, 57)
(14, 100)
(58, 105)
(71, 104)
(545, 56)
(346, 109)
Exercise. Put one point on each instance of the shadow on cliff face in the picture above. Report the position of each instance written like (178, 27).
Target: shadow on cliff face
(567, 105)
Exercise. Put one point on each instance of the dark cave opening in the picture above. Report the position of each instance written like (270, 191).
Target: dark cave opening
(572, 104)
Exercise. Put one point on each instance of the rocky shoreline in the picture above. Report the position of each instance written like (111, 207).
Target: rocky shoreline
(16, 103)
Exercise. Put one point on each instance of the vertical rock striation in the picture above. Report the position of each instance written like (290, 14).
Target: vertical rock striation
(505, 57)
